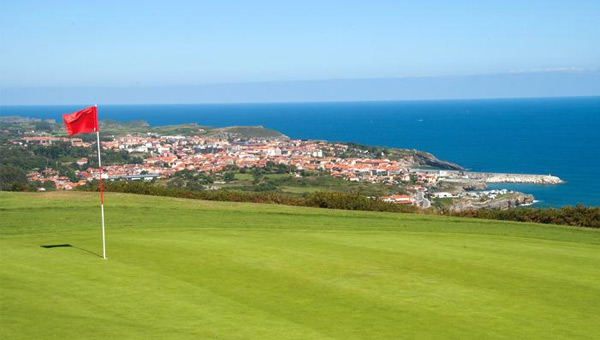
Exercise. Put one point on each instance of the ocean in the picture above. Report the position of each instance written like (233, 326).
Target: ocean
(558, 136)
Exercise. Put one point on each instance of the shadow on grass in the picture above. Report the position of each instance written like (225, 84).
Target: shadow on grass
(66, 245)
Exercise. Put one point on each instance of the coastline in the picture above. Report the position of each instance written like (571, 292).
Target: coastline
(526, 136)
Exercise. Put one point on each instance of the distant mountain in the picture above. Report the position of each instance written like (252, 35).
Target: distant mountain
(545, 83)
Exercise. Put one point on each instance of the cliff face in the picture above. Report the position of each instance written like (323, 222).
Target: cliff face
(513, 201)
(425, 159)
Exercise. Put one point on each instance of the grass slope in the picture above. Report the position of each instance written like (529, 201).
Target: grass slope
(186, 269)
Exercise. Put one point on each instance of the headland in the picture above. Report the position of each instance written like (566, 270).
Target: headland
(251, 158)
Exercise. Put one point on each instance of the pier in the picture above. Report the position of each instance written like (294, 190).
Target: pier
(491, 177)
(522, 178)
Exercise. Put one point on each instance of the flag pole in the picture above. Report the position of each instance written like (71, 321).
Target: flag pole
(101, 193)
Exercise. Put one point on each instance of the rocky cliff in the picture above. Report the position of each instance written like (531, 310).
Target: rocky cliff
(425, 159)
(503, 203)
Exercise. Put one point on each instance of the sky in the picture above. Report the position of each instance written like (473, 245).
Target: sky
(74, 48)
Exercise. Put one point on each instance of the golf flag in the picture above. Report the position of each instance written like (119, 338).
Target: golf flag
(85, 121)
(82, 121)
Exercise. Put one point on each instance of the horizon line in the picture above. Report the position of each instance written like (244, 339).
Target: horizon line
(258, 82)
(320, 101)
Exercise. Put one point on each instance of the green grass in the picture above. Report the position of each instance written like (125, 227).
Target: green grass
(315, 182)
(250, 177)
(186, 269)
(299, 190)
(243, 177)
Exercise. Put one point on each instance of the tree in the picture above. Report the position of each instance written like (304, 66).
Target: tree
(12, 179)
(265, 186)
(176, 183)
(44, 126)
(49, 185)
(228, 177)
(231, 167)
(413, 178)
(137, 160)
(257, 174)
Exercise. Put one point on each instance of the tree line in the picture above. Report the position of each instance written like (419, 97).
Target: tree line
(579, 215)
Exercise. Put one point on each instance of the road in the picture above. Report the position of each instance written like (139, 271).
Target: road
(421, 200)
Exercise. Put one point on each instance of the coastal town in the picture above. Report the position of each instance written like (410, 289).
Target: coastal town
(413, 178)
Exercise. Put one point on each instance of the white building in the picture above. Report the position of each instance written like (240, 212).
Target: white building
(442, 194)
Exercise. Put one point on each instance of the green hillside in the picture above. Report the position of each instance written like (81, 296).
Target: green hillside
(188, 269)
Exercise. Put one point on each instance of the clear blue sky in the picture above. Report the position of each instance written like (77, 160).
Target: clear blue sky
(73, 44)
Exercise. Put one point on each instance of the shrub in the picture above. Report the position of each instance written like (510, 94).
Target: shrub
(574, 216)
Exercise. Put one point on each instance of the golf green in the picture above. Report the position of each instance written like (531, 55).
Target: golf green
(189, 269)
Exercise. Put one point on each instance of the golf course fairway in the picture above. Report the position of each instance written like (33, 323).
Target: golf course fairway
(190, 269)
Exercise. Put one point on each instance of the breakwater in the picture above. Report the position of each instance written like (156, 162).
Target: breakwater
(514, 178)
(490, 177)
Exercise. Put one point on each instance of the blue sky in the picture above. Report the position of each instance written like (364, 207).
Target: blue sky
(112, 44)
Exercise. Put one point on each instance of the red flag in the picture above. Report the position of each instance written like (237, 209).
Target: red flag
(83, 121)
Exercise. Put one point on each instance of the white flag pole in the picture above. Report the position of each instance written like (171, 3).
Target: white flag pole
(101, 193)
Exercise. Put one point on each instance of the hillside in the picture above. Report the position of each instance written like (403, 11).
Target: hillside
(248, 132)
(123, 128)
(188, 269)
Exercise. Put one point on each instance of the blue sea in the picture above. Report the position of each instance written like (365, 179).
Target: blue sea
(558, 136)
